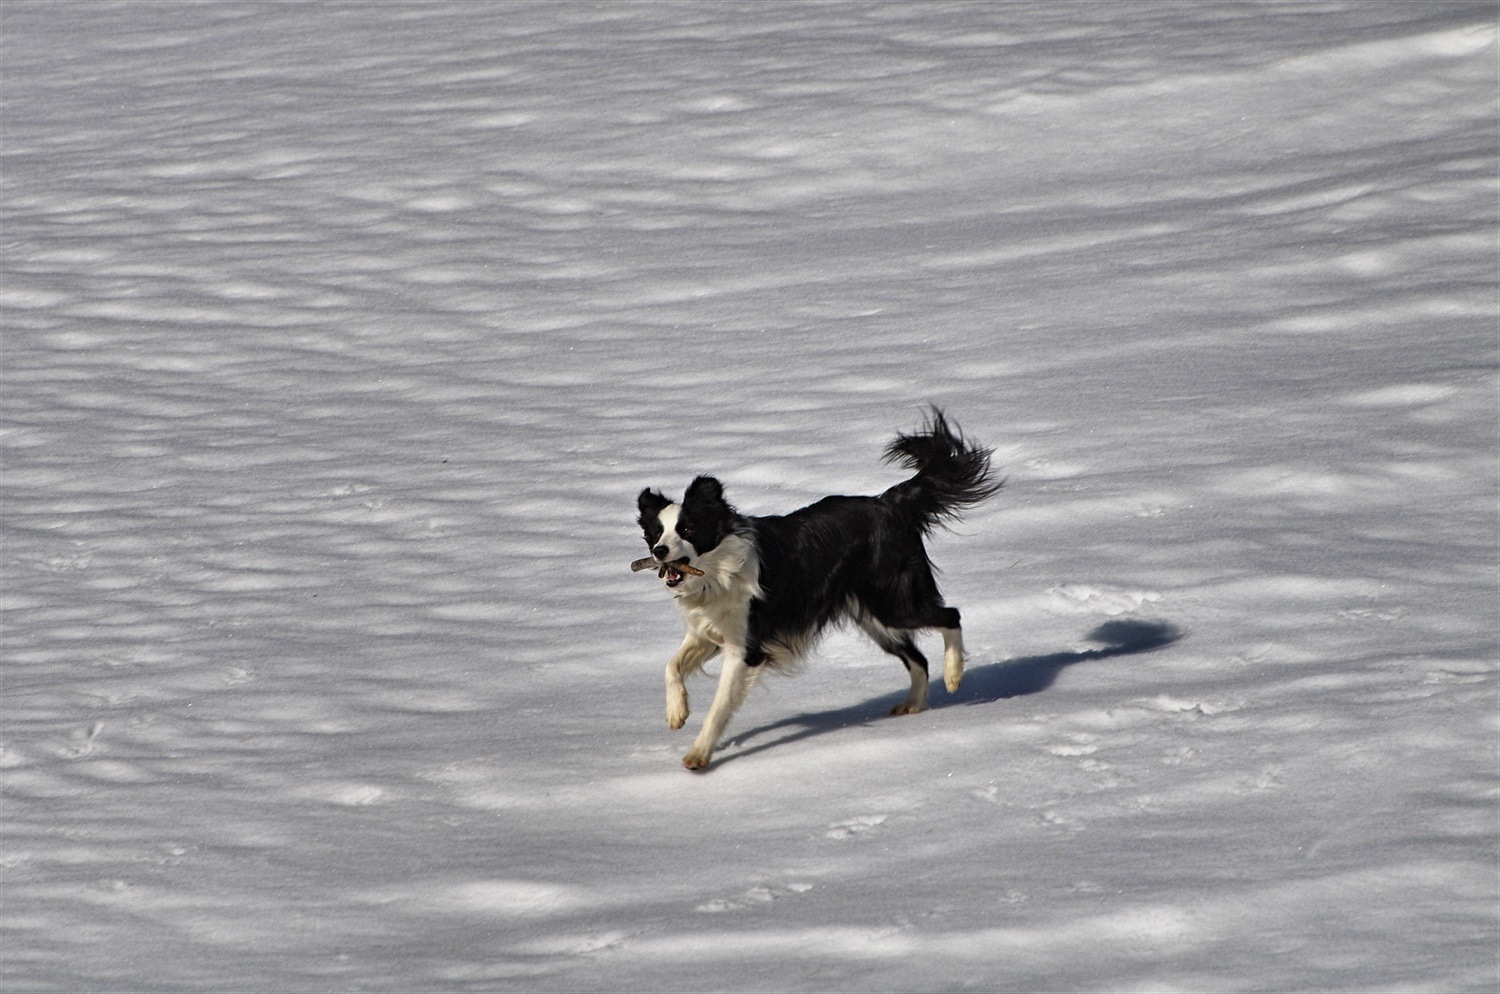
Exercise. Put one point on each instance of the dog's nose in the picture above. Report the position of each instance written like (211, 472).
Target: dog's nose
(660, 552)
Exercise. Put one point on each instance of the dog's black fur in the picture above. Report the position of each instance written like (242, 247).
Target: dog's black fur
(772, 584)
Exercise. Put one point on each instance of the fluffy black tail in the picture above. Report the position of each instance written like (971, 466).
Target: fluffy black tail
(953, 473)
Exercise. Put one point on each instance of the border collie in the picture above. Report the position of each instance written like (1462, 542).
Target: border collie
(771, 585)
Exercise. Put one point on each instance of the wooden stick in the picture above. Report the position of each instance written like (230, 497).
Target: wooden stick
(651, 562)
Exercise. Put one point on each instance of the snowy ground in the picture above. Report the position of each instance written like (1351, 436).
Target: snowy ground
(338, 340)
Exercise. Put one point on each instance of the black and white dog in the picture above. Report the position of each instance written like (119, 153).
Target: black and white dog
(770, 585)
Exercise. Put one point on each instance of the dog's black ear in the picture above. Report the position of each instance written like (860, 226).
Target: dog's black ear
(651, 502)
(704, 490)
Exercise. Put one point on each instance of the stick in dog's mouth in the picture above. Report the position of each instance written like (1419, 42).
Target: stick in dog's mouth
(677, 570)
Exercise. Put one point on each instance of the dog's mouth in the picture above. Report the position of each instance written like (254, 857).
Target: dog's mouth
(671, 574)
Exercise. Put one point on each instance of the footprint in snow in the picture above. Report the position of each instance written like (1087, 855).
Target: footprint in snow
(1059, 822)
(853, 826)
(1081, 745)
(1102, 599)
(752, 897)
(1269, 778)
(989, 794)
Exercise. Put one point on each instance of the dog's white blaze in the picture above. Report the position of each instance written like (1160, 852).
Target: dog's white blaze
(677, 547)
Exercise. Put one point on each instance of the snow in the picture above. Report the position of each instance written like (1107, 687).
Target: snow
(339, 338)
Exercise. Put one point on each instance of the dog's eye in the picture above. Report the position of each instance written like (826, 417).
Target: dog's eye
(686, 532)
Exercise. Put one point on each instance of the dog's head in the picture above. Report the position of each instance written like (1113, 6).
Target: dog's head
(686, 531)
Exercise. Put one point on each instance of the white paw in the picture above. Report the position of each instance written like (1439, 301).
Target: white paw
(953, 675)
(696, 760)
(908, 707)
(677, 709)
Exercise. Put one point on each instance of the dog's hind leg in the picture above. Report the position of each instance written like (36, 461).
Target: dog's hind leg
(953, 656)
(946, 620)
(690, 657)
(910, 602)
(899, 644)
(916, 667)
(735, 681)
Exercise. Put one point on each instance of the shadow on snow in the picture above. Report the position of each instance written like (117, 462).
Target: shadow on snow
(981, 684)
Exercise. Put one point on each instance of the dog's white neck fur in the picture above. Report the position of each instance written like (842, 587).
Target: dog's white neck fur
(714, 605)
(731, 570)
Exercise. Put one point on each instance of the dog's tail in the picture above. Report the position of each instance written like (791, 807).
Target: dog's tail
(953, 473)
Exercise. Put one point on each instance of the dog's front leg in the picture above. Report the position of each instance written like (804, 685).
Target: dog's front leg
(734, 683)
(691, 655)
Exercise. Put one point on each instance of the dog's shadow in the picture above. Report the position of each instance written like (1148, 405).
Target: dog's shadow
(981, 685)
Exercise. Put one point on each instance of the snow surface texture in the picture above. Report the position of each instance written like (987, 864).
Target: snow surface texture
(338, 340)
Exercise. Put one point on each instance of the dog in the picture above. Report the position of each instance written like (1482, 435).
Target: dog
(762, 589)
